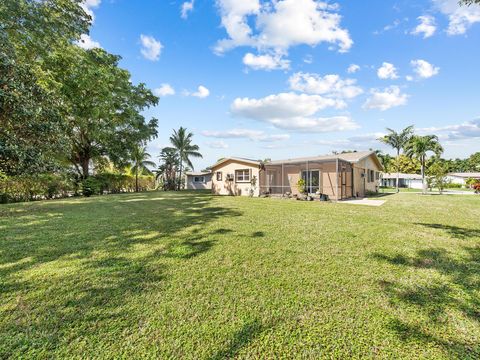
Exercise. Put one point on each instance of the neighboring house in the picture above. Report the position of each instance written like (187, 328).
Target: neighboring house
(461, 178)
(411, 181)
(198, 180)
(339, 176)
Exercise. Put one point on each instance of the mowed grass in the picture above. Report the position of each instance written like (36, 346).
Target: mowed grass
(184, 275)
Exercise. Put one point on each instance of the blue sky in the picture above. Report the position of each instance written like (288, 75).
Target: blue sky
(288, 78)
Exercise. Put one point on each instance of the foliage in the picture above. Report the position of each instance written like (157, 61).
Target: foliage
(301, 186)
(469, 2)
(419, 146)
(167, 170)
(182, 142)
(438, 175)
(253, 186)
(107, 122)
(91, 186)
(140, 162)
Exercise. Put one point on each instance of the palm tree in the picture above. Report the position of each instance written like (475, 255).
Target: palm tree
(418, 147)
(167, 170)
(397, 140)
(140, 162)
(182, 142)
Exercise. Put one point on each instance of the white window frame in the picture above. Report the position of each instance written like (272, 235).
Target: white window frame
(241, 178)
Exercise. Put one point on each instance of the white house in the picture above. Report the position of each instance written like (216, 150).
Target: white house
(411, 181)
(198, 180)
(461, 178)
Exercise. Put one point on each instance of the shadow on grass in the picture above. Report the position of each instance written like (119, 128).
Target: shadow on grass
(455, 292)
(240, 339)
(80, 264)
(455, 231)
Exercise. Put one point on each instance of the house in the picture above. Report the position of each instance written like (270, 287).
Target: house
(411, 181)
(461, 178)
(198, 180)
(339, 176)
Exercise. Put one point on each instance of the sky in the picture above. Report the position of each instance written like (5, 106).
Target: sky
(281, 79)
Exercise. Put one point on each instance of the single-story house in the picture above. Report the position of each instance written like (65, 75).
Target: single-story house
(461, 178)
(411, 181)
(198, 180)
(339, 176)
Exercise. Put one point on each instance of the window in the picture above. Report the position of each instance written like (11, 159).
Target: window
(242, 175)
(371, 176)
(199, 179)
(219, 176)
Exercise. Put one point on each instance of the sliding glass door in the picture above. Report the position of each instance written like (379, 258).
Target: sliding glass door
(312, 180)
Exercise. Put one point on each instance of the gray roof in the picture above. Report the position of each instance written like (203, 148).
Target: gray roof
(352, 157)
(466, 175)
(403, 176)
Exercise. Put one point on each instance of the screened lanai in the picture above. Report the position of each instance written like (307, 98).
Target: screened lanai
(321, 175)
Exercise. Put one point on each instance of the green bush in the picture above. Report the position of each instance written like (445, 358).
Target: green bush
(91, 186)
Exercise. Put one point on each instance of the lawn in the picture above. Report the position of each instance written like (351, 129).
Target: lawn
(183, 275)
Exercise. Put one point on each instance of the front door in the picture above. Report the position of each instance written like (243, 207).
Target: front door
(312, 180)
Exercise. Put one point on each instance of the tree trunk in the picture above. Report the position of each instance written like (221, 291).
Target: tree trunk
(424, 183)
(136, 180)
(398, 171)
(85, 162)
(180, 180)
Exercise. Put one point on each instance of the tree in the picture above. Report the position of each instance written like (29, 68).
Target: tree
(386, 161)
(101, 107)
(418, 147)
(140, 162)
(474, 162)
(167, 171)
(30, 121)
(438, 175)
(182, 142)
(397, 140)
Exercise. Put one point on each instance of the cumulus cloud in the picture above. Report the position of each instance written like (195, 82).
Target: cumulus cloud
(387, 71)
(201, 93)
(352, 69)
(151, 48)
(296, 112)
(426, 27)
(424, 69)
(187, 7)
(280, 24)
(386, 99)
(254, 135)
(266, 62)
(87, 43)
(461, 18)
(469, 129)
(329, 85)
(164, 90)
(89, 5)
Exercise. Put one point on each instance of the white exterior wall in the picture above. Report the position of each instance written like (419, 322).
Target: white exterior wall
(192, 185)
(226, 187)
(456, 180)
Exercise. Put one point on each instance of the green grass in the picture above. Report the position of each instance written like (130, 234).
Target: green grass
(183, 275)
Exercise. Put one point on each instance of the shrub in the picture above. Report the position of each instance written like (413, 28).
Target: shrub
(91, 186)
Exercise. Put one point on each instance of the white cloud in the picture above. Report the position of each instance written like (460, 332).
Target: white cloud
(460, 17)
(151, 48)
(254, 135)
(89, 5)
(427, 26)
(295, 112)
(469, 129)
(202, 92)
(329, 85)
(266, 62)
(217, 144)
(187, 7)
(87, 43)
(164, 90)
(424, 69)
(387, 71)
(386, 99)
(280, 24)
(352, 69)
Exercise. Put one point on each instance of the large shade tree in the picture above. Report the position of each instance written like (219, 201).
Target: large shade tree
(182, 142)
(30, 122)
(397, 140)
(101, 107)
(419, 147)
